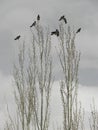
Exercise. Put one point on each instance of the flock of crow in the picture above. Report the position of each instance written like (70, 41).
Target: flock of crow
(56, 32)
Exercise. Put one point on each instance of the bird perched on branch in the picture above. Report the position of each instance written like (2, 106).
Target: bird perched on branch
(63, 18)
(55, 32)
(78, 30)
(17, 38)
(33, 24)
(38, 17)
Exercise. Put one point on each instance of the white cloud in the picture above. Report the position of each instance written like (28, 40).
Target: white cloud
(86, 94)
(6, 97)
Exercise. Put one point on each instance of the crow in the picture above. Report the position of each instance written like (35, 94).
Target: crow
(38, 17)
(63, 18)
(78, 30)
(33, 24)
(17, 38)
(55, 32)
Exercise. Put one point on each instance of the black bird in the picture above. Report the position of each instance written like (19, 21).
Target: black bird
(63, 18)
(55, 32)
(38, 17)
(78, 30)
(17, 38)
(33, 24)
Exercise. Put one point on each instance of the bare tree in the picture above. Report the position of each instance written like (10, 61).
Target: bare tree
(93, 119)
(69, 59)
(33, 82)
(44, 76)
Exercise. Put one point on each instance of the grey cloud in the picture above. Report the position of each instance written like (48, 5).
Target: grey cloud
(17, 16)
(88, 76)
(5, 51)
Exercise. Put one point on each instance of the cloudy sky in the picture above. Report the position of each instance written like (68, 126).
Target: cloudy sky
(17, 15)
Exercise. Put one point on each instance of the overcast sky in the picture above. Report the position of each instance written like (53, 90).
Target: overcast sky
(17, 15)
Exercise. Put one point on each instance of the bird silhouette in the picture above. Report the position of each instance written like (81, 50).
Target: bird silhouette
(38, 17)
(63, 18)
(78, 30)
(55, 32)
(17, 38)
(33, 24)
